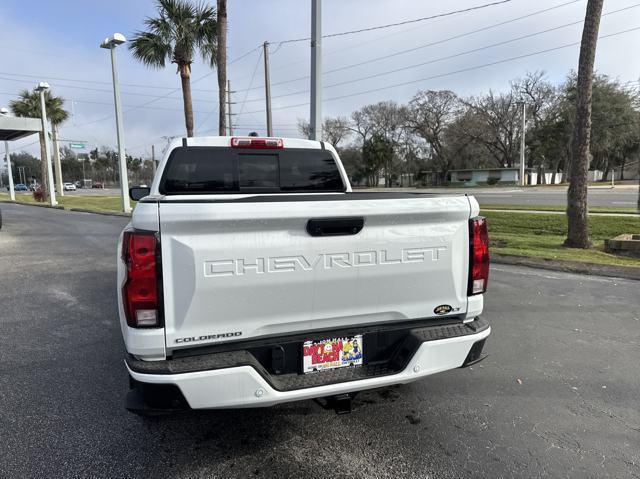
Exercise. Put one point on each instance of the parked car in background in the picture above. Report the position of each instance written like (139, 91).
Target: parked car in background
(97, 184)
(69, 187)
(78, 184)
(20, 187)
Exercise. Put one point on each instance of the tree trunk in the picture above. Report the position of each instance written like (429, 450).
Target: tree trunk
(638, 185)
(577, 220)
(43, 165)
(185, 76)
(605, 173)
(56, 156)
(221, 61)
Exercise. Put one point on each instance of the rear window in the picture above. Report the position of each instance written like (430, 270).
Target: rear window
(215, 170)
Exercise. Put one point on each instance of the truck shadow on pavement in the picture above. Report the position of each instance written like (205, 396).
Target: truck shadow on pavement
(292, 440)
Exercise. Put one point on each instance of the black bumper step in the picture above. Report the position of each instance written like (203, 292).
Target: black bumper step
(397, 359)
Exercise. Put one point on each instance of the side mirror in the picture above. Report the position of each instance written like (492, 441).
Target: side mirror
(136, 193)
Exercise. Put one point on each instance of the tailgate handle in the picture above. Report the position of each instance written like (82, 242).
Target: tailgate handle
(335, 226)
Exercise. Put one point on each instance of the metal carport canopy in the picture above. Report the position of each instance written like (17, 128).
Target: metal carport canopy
(14, 128)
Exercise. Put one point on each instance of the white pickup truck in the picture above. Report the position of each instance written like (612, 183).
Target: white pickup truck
(251, 275)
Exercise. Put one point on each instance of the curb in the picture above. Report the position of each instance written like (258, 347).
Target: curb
(106, 213)
(39, 205)
(59, 207)
(611, 271)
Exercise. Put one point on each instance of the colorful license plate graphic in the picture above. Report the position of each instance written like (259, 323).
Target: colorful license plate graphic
(331, 354)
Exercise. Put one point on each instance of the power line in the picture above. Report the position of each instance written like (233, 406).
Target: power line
(405, 22)
(111, 104)
(426, 45)
(447, 57)
(255, 69)
(135, 85)
(463, 70)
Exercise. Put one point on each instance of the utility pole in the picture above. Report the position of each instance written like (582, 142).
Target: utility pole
(153, 159)
(267, 87)
(229, 114)
(315, 117)
(522, 144)
(56, 158)
(12, 191)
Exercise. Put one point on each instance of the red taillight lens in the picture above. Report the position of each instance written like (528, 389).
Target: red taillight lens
(257, 143)
(140, 289)
(478, 256)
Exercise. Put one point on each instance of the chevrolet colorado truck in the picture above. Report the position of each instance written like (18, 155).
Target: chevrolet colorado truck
(251, 275)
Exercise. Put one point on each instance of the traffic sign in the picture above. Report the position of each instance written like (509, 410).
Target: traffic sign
(77, 146)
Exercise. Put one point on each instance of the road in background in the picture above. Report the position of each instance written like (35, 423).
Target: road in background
(557, 397)
(625, 196)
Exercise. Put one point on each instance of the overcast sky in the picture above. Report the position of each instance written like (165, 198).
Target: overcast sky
(57, 41)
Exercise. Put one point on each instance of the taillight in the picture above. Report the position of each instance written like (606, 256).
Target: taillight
(140, 292)
(478, 256)
(257, 143)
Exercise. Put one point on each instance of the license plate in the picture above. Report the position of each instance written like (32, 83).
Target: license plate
(331, 354)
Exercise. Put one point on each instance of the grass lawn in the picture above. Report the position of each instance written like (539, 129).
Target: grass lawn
(95, 203)
(542, 236)
(593, 209)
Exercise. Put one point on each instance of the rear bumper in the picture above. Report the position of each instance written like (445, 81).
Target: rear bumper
(248, 386)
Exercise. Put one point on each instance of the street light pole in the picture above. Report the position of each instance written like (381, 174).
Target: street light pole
(42, 88)
(522, 143)
(315, 117)
(12, 191)
(110, 44)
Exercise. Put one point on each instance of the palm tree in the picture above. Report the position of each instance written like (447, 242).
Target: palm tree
(577, 224)
(180, 30)
(221, 60)
(29, 106)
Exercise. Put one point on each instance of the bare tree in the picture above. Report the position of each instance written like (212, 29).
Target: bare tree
(387, 120)
(334, 130)
(221, 61)
(495, 123)
(430, 114)
(577, 220)
(543, 109)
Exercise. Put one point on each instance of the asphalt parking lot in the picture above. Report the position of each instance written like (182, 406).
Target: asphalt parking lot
(557, 397)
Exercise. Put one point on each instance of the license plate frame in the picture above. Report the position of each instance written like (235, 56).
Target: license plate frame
(332, 353)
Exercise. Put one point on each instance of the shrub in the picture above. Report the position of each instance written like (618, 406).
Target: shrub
(40, 194)
(493, 181)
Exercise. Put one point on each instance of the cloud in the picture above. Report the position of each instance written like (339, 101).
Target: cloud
(62, 43)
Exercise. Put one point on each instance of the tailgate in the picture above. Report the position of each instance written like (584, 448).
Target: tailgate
(241, 270)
